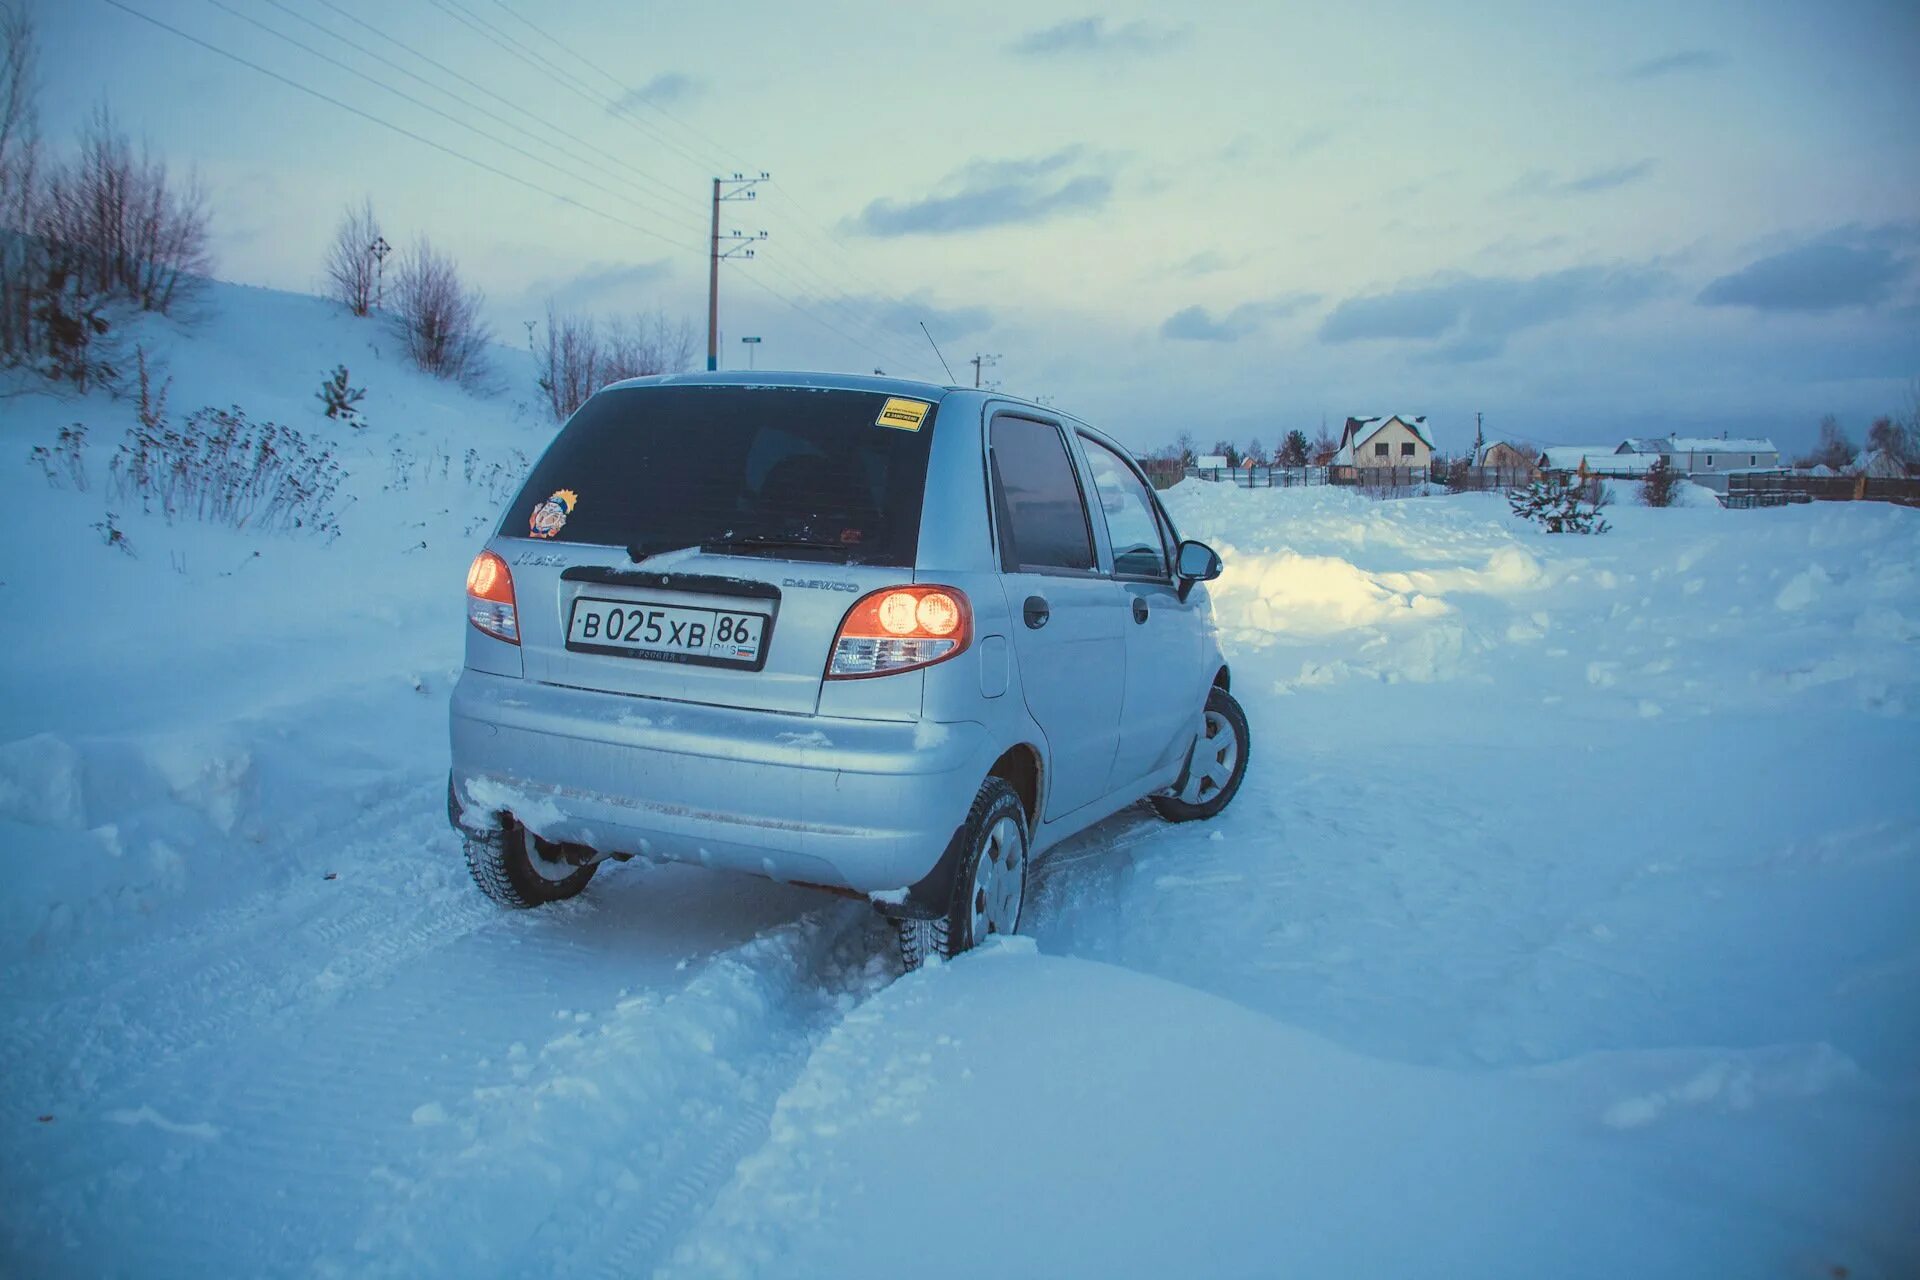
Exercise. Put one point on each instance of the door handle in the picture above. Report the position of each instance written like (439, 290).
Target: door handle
(1035, 613)
(1139, 609)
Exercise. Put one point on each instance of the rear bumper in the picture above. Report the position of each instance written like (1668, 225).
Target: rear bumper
(858, 804)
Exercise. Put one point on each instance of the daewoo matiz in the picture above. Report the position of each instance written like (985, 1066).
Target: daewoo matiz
(861, 634)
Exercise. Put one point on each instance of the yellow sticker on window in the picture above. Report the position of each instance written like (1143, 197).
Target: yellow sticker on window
(902, 415)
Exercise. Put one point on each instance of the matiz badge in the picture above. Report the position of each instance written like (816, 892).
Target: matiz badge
(551, 515)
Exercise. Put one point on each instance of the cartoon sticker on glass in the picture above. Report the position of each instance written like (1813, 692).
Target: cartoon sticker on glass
(550, 515)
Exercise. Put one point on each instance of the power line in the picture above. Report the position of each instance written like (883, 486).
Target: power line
(536, 136)
(388, 124)
(666, 188)
(427, 106)
(822, 239)
(559, 76)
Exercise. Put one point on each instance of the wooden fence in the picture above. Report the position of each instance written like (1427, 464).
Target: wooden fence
(1781, 489)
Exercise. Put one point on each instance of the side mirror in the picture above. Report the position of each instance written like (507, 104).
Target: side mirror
(1196, 562)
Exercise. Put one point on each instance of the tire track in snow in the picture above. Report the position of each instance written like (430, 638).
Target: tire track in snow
(164, 999)
(595, 1151)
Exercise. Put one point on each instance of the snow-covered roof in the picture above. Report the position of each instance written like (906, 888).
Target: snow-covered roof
(1819, 469)
(1211, 462)
(1624, 464)
(1708, 444)
(1489, 443)
(1568, 457)
(1880, 465)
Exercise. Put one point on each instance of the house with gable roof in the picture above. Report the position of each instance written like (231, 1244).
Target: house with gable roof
(1397, 440)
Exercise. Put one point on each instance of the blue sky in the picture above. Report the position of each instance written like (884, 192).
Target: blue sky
(1227, 218)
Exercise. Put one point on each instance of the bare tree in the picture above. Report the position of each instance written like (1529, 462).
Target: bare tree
(1833, 449)
(439, 316)
(642, 345)
(351, 267)
(19, 180)
(570, 365)
(1890, 437)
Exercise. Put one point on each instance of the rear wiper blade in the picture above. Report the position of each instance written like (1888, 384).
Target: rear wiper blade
(757, 542)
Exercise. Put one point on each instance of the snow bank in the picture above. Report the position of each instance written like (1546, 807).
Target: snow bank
(1055, 1122)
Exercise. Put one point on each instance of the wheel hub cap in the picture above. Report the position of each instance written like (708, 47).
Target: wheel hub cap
(999, 880)
(1214, 758)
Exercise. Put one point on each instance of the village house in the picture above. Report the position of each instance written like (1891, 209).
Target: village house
(1504, 456)
(1706, 455)
(1397, 440)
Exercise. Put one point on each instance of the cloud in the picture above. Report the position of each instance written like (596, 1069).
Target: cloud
(1308, 141)
(903, 316)
(606, 286)
(1675, 64)
(993, 193)
(1092, 35)
(1205, 262)
(1197, 324)
(1468, 317)
(1539, 183)
(1848, 267)
(668, 89)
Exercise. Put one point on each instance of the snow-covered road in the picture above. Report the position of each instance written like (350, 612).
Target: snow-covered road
(1566, 925)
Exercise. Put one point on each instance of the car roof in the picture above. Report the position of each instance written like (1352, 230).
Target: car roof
(817, 381)
(809, 381)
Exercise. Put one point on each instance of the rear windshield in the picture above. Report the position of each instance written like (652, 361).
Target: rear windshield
(765, 469)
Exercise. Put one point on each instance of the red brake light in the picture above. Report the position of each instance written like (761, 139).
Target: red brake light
(899, 629)
(490, 602)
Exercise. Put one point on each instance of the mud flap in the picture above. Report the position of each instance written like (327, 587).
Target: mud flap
(930, 897)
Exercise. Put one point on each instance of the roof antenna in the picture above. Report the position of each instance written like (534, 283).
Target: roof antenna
(936, 350)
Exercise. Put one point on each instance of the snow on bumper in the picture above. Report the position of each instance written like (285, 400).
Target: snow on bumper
(860, 804)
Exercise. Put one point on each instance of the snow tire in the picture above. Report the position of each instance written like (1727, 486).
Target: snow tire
(502, 865)
(1222, 709)
(953, 933)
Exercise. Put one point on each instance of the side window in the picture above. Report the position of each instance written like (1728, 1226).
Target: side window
(1406, 449)
(1138, 548)
(1043, 523)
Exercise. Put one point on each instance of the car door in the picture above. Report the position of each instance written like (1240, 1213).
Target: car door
(1165, 635)
(1069, 640)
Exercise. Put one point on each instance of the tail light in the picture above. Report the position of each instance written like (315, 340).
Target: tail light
(490, 604)
(899, 629)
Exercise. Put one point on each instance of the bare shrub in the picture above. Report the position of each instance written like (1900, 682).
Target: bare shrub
(123, 227)
(439, 316)
(352, 269)
(222, 468)
(583, 354)
(642, 345)
(65, 463)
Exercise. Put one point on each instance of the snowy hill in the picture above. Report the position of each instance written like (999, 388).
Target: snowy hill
(1565, 923)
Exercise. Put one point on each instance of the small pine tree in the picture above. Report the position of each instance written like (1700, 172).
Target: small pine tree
(1557, 506)
(1657, 489)
(340, 398)
(1293, 449)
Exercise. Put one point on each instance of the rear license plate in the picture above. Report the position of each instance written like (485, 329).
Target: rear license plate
(671, 633)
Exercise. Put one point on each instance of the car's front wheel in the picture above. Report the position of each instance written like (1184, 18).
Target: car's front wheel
(518, 869)
(989, 884)
(1219, 763)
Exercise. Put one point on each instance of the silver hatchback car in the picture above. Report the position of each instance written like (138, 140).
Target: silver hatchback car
(867, 635)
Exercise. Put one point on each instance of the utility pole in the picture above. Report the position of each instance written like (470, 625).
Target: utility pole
(979, 362)
(1479, 438)
(738, 187)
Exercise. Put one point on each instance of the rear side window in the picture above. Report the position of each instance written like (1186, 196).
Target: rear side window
(658, 468)
(1139, 550)
(1043, 522)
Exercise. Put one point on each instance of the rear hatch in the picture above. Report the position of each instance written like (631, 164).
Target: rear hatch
(703, 543)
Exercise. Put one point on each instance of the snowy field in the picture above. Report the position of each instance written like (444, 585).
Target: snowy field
(1568, 923)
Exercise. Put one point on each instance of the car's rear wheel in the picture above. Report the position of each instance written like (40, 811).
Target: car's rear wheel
(989, 883)
(1218, 765)
(518, 869)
